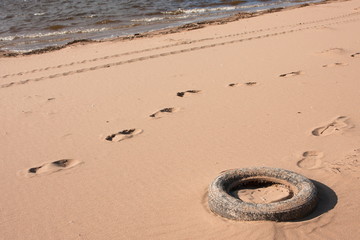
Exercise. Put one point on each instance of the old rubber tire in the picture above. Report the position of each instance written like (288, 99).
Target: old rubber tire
(222, 203)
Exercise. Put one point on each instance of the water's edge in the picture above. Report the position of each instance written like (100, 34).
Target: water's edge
(164, 31)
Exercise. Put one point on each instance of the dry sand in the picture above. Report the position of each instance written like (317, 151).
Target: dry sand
(96, 143)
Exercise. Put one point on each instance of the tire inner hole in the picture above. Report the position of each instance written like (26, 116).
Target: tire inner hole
(261, 191)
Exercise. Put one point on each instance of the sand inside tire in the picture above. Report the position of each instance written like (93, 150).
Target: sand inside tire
(263, 194)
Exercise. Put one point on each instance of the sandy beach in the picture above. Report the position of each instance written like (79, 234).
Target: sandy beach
(121, 139)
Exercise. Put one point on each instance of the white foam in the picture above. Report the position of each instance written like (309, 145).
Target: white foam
(199, 10)
(7, 38)
(257, 5)
(90, 16)
(202, 10)
(152, 19)
(221, 9)
(49, 34)
(176, 12)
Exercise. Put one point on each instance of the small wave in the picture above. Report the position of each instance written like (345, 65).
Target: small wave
(106, 21)
(199, 10)
(202, 10)
(248, 6)
(151, 19)
(49, 34)
(226, 8)
(39, 14)
(176, 12)
(7, 38)
(90, 16)
(184, 13)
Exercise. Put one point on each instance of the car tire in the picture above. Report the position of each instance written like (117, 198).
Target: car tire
(223, 203)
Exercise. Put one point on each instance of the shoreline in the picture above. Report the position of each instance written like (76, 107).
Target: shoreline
(164, 31)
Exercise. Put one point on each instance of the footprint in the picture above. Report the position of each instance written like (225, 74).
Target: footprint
(338, 125)
(51, 167)
(238, 84)
(291, 74)
(335, 64)
(124, 134)
(163, 112)
(334, 50)
(182, 94)
(233, 84)
(310, 160)
(250, 83)
(355, 54)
